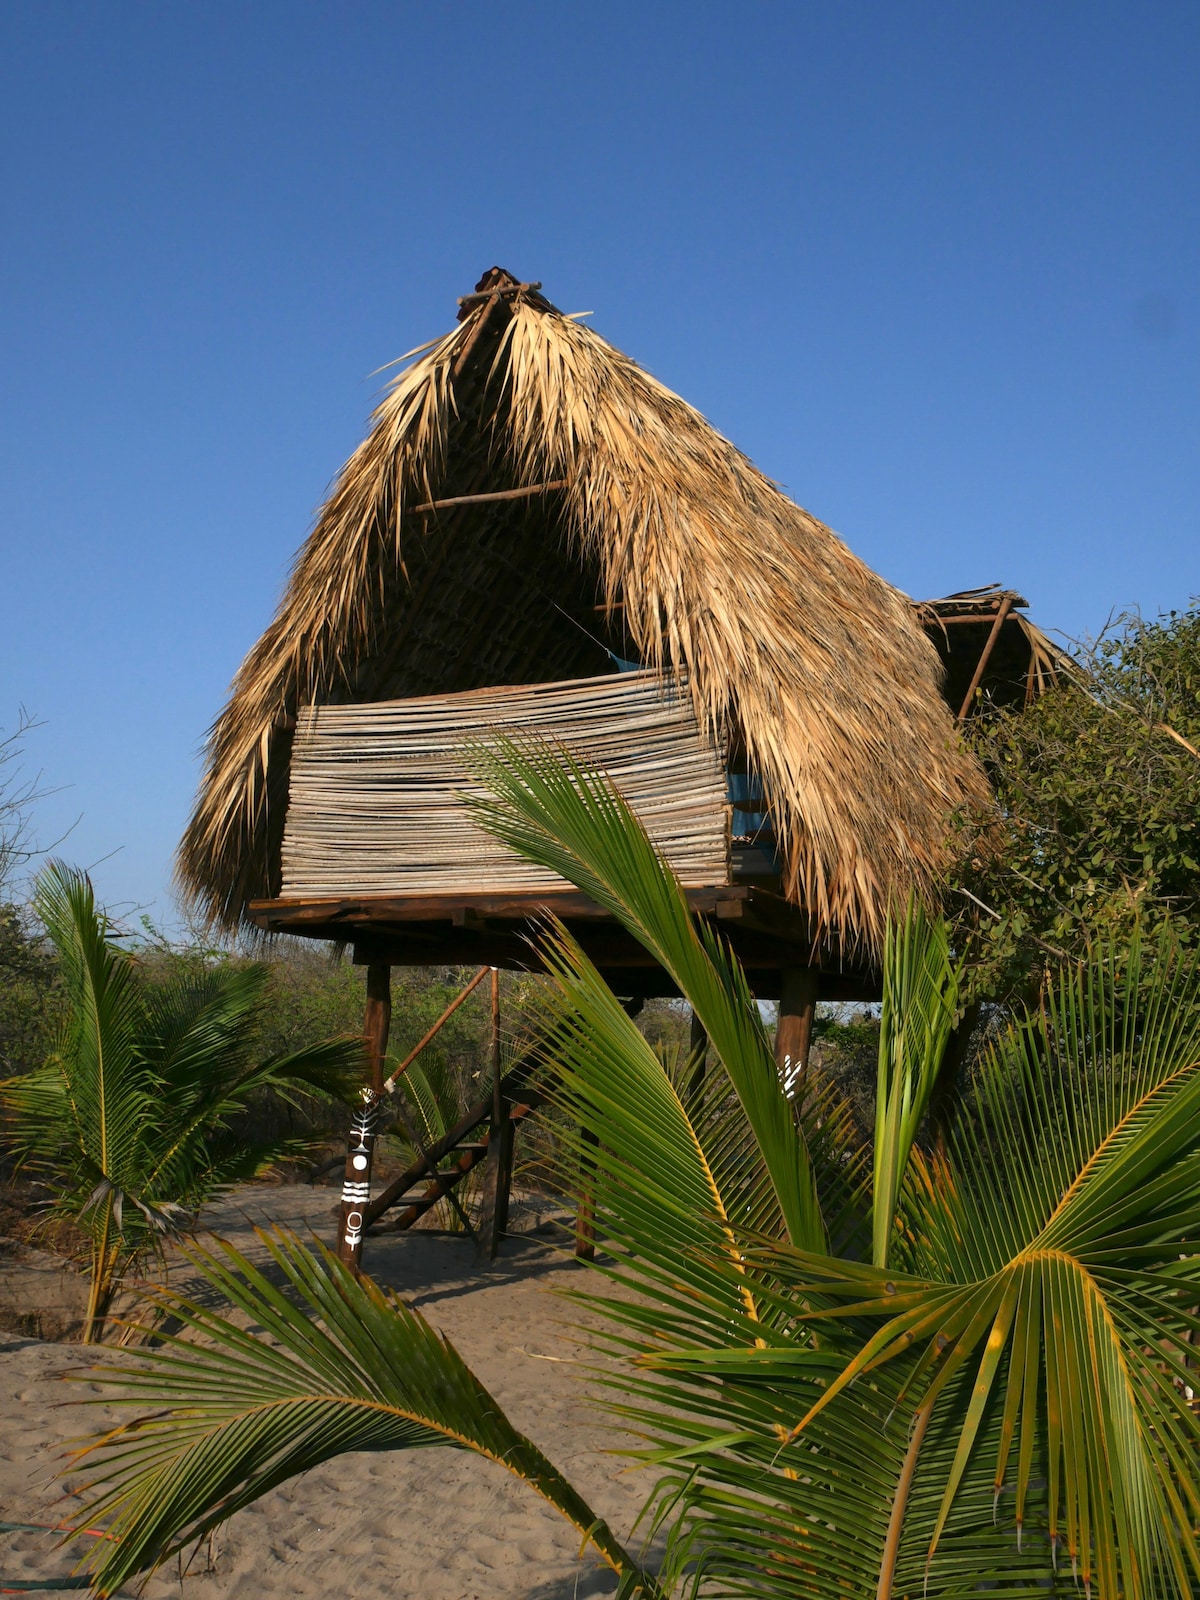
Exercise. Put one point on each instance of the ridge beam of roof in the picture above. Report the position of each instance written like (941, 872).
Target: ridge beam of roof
(506, 288)
(977, 602)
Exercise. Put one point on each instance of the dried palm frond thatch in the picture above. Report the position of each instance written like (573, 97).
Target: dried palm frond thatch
(647, 535)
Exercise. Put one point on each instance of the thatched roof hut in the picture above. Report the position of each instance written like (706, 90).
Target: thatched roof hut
(530, 506)
(992, 655)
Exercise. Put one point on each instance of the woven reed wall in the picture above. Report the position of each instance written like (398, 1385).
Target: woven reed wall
(373, 798)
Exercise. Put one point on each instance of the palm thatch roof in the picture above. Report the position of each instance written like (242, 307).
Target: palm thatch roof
(636, 531)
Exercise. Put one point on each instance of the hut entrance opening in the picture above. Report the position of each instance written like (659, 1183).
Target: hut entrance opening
(491, 593)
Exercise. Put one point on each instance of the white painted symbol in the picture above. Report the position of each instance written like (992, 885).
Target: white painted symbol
(359, 1163)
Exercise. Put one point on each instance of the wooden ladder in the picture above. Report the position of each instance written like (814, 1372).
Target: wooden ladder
(441, 1166)
(447, 1162)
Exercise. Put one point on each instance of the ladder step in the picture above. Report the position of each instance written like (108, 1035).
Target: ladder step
(444, 1175)
(411, 1209)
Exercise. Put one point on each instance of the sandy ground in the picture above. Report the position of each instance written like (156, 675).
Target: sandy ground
(440, 1524)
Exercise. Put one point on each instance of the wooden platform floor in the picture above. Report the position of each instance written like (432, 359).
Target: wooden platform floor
(768, 933)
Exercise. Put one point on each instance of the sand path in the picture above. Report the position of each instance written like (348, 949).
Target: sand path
(438, 1524)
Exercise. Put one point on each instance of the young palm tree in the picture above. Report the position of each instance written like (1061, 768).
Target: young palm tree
(128, 1120)
(860, 1373)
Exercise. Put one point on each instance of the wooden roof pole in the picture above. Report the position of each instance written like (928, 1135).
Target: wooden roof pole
(468, 300)
(967, 616)
(1006, 606)
(487, 499)
(472, 339)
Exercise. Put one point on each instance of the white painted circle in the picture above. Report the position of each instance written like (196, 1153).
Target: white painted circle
(359, 1163)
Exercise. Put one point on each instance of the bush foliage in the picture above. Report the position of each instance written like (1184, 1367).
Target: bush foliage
(1099, 791)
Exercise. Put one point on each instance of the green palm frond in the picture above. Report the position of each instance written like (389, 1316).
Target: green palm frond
(1000, 1328)
(343, 1366)
(421, 1093)
(200, 1020)
(198, 1048)
(655, 1192)
(1038, 1332)
(199, 1113)
(920, 1006)
(82, 1115)
(574, 822)
(748, 1515)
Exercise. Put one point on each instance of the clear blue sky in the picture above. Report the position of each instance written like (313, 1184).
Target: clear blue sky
(934, 267)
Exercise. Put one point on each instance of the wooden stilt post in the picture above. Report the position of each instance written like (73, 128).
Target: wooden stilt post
(377, 1023)
(498, 1178)
(697, 1049)
(797, 1008)
(356, 1184)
